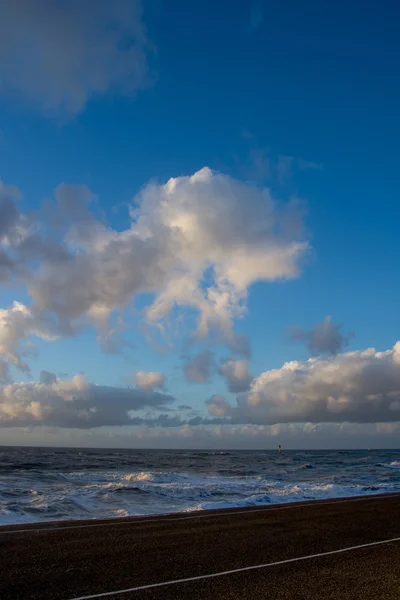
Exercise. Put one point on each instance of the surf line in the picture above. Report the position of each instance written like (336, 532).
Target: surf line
(165, 517)
(233, 571)
(53, 526)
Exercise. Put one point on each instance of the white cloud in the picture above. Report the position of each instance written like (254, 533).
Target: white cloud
(147, 380)
(323, 338)
(196, 242)
(59, 54)
(236, 373)
(200, 367)
(17, 325)
(357, 387)
(75, 403)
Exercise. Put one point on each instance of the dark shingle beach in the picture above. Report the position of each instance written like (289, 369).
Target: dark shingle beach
(61, 561)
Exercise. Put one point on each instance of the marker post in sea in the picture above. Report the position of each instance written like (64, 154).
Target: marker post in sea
(279, 448)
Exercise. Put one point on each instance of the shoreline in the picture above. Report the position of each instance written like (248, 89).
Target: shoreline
(68, 523)
(346, 548)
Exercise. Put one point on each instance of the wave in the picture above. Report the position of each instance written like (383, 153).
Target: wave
(394, 464)
(157, 477)
(294, 494)
(100, 484)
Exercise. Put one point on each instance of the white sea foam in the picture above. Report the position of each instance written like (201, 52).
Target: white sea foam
(106, 484)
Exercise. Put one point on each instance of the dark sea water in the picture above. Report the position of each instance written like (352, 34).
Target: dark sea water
(39, 484)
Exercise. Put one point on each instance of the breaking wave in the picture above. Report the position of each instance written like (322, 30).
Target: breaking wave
(40, 485)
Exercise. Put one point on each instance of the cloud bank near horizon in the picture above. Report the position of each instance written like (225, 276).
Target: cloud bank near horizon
(361, 387)
(75, 403)
(356, 387)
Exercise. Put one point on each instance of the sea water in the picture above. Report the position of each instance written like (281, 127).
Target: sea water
(41, 484)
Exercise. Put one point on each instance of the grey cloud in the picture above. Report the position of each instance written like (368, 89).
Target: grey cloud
(218, 406)
(23, 239)
(47, 377)
(34, 246)
(73, 404)
(166, 420)
(236, 374)
(5, 376)
(9, 214)
(17, 326)
(10, 220)
(323, 338)
(356, 387)
(6, 266)
(240, 344)
(291, 435)
(59, 54)
(200, 368)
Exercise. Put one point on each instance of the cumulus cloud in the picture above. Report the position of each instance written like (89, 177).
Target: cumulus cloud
(200, 367)
(357, 387)
(17, 325)
(236, 374)
(148, 380)
(218, 406)
(196, 242)
(59, 54)
(323, 338)
(75, 403)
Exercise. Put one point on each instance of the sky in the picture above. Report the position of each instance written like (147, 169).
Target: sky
(199, 216)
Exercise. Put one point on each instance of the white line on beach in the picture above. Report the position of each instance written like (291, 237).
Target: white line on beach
(241, 570)
(202, 515)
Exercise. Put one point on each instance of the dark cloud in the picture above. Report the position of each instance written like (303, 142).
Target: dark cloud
(200, 368)
(60, 54)
(218, 406)
(323, 338)
(236, 374)
(75, 404)
(47, 377)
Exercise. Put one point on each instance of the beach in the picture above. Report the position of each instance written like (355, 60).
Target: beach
(344, 548)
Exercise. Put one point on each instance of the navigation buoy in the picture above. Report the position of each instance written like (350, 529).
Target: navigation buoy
(279, 448)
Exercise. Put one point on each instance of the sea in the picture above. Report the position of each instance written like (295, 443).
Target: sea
(46, 484)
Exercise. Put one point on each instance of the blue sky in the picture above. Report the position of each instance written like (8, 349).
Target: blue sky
(297, 99)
